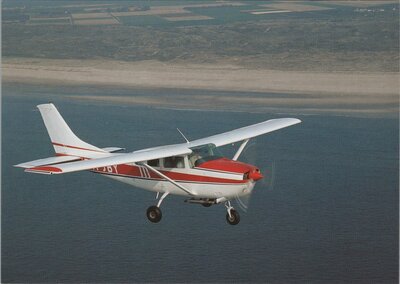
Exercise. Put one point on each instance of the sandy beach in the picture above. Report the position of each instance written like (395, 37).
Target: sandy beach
(351, 91)
(197, 76)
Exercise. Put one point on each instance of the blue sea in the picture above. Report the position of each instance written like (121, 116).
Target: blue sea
(326, 213)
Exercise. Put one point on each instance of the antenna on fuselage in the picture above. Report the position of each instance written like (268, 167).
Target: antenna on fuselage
(184, 137)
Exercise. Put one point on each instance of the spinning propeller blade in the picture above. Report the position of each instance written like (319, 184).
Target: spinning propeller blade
(267, 169)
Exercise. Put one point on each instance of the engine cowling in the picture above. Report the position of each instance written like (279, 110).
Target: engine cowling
(249, 172)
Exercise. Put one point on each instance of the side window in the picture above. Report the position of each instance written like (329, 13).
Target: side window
(174, 162)
(154, 163)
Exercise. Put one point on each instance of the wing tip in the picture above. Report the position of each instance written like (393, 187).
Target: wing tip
(290, 120)
(48, 106)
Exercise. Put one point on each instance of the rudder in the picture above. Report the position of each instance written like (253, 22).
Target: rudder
(64, 141)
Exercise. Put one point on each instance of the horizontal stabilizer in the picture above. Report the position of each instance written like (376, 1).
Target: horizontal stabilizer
(44, 170)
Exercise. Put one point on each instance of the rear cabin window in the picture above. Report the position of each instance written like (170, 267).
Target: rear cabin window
(174, 162)
(154, 163)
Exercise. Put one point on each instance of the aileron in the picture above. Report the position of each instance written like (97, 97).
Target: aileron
(246, 132)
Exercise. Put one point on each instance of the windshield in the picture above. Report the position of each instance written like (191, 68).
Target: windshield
(203, 154)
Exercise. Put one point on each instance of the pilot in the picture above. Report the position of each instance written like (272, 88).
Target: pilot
(179, 163)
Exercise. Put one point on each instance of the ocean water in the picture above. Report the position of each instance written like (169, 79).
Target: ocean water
(329, 214)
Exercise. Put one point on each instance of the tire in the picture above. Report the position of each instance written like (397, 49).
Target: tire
(207, 204)
(154, 214)
(234, 219)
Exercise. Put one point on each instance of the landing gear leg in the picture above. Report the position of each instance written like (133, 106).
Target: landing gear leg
(154, 213)
(232, 216)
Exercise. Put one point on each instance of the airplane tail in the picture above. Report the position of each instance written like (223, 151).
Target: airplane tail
(64, 141)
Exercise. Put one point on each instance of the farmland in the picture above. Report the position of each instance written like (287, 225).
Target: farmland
(321, 36)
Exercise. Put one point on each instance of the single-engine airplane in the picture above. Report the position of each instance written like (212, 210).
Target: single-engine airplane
(195, 169)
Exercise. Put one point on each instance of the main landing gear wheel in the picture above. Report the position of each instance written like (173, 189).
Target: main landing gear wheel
(233, 218)
(208, 203)
(154, 214)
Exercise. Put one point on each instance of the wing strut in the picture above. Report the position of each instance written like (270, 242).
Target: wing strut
(240, 150)
(168, 179)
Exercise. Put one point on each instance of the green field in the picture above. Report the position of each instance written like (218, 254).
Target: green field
(339, 39)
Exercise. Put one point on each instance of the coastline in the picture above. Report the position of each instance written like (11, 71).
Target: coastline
(362, 93)
(224, 77)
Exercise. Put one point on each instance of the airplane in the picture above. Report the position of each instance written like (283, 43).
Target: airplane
(195, 169)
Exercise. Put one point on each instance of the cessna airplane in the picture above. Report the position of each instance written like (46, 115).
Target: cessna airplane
(195, 169)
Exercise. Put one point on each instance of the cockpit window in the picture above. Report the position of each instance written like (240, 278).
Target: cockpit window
(203, 154)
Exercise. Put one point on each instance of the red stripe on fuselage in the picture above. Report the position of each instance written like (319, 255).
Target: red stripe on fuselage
(135, 172)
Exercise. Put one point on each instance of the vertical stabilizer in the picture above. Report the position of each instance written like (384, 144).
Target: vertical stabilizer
(65, 142)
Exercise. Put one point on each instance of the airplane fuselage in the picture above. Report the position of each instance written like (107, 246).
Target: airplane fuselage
(212, 179)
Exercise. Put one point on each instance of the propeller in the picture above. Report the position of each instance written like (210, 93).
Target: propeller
(267, 169)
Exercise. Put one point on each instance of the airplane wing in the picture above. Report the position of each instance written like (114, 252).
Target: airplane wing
(247, 132)
(60, 165)
(47, 161)
(115, 159)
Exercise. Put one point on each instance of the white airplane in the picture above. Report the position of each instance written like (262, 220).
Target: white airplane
(195, 169)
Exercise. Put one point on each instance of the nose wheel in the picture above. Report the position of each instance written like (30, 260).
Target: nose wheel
(232, 216)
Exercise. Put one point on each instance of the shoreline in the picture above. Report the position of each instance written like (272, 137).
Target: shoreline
(358, 93)
(224, 77)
